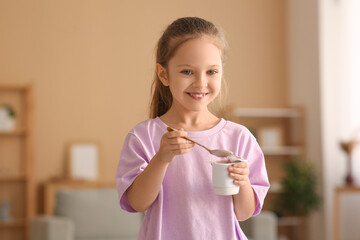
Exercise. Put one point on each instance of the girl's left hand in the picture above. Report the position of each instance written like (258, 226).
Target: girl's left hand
(240, 173)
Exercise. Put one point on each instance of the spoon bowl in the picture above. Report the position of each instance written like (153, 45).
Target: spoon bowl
(215, 152)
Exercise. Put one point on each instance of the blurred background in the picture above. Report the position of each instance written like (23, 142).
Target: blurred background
(79, 72)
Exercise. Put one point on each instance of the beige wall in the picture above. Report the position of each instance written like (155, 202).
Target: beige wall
(304, 88)
(91, 64)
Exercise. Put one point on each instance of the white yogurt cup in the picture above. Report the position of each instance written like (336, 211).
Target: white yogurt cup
(223, 184)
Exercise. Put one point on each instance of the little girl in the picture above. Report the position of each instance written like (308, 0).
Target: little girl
(169, 178)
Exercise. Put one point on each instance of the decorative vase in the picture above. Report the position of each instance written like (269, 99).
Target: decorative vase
(348, 148)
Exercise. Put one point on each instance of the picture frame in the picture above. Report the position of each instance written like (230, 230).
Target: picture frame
(83, 161)
(270, 136)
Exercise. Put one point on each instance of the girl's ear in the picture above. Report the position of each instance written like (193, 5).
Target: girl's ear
(162, 74)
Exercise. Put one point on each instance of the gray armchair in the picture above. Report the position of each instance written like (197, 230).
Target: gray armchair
(261, 227)
(87, 214)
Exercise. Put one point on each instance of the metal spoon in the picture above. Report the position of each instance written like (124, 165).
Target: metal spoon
(216, 152)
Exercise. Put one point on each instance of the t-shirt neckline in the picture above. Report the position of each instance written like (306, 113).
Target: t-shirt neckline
(198, 134)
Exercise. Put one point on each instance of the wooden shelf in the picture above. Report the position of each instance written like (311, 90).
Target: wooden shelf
(16, 178)
(15, 133)
(280, 133)
(14, 223)
(267, 112)
(282, 150)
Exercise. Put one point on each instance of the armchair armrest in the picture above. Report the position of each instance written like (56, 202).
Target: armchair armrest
(51, 228)
(262, 226)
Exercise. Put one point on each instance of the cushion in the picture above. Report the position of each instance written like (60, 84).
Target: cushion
(55, 228)
(96, 214)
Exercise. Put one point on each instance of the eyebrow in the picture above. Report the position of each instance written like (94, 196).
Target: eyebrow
(188, 65)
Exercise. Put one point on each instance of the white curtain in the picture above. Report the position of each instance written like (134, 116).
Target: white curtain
(340, 103)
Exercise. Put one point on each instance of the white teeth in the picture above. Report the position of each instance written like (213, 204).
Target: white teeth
(198, 95)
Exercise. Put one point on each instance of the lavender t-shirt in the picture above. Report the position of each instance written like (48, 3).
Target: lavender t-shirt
(187, 206)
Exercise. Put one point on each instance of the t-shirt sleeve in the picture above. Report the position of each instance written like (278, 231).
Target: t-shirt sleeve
(133, 161)
(258, 174)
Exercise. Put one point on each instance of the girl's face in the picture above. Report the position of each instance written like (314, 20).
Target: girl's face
(194, 74)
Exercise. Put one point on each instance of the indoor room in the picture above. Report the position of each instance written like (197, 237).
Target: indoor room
(76, 78)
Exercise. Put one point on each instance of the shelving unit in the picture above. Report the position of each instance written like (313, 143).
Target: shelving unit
(16, 165)
(280, 133)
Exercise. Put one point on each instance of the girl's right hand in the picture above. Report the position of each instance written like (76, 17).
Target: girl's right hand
(172, 144)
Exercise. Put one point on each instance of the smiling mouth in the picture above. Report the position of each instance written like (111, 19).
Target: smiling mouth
(197, 96)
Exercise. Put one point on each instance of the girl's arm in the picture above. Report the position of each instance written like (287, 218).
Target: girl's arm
(146, 186)
(245, 201)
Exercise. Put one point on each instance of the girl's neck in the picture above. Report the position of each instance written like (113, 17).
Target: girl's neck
(190, 121)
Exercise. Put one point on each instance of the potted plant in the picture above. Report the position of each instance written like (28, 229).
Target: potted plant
(7, 118)
(298, 196)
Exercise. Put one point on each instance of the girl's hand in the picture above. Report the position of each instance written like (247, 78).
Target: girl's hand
(172, 144)
(240, 173)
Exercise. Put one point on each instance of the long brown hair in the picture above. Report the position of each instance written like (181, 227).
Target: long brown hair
(174, 35)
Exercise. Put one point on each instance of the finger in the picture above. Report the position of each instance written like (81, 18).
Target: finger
(177, 141)
(181, 146)
(238, 176)
(238, 171)
(187, 145)
(239, 182)
(240, 165)
(237, 168)
(170, 135)
(239, 179)
(181, 151)
(178, 133)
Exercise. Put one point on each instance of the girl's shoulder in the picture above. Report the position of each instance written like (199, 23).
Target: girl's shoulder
(238, 131)
(236, 127)
(148, 126)
(231, 124)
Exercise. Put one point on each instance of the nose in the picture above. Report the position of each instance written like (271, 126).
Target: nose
(200, 81)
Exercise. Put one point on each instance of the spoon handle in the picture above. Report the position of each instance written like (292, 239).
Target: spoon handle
(170, 130)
